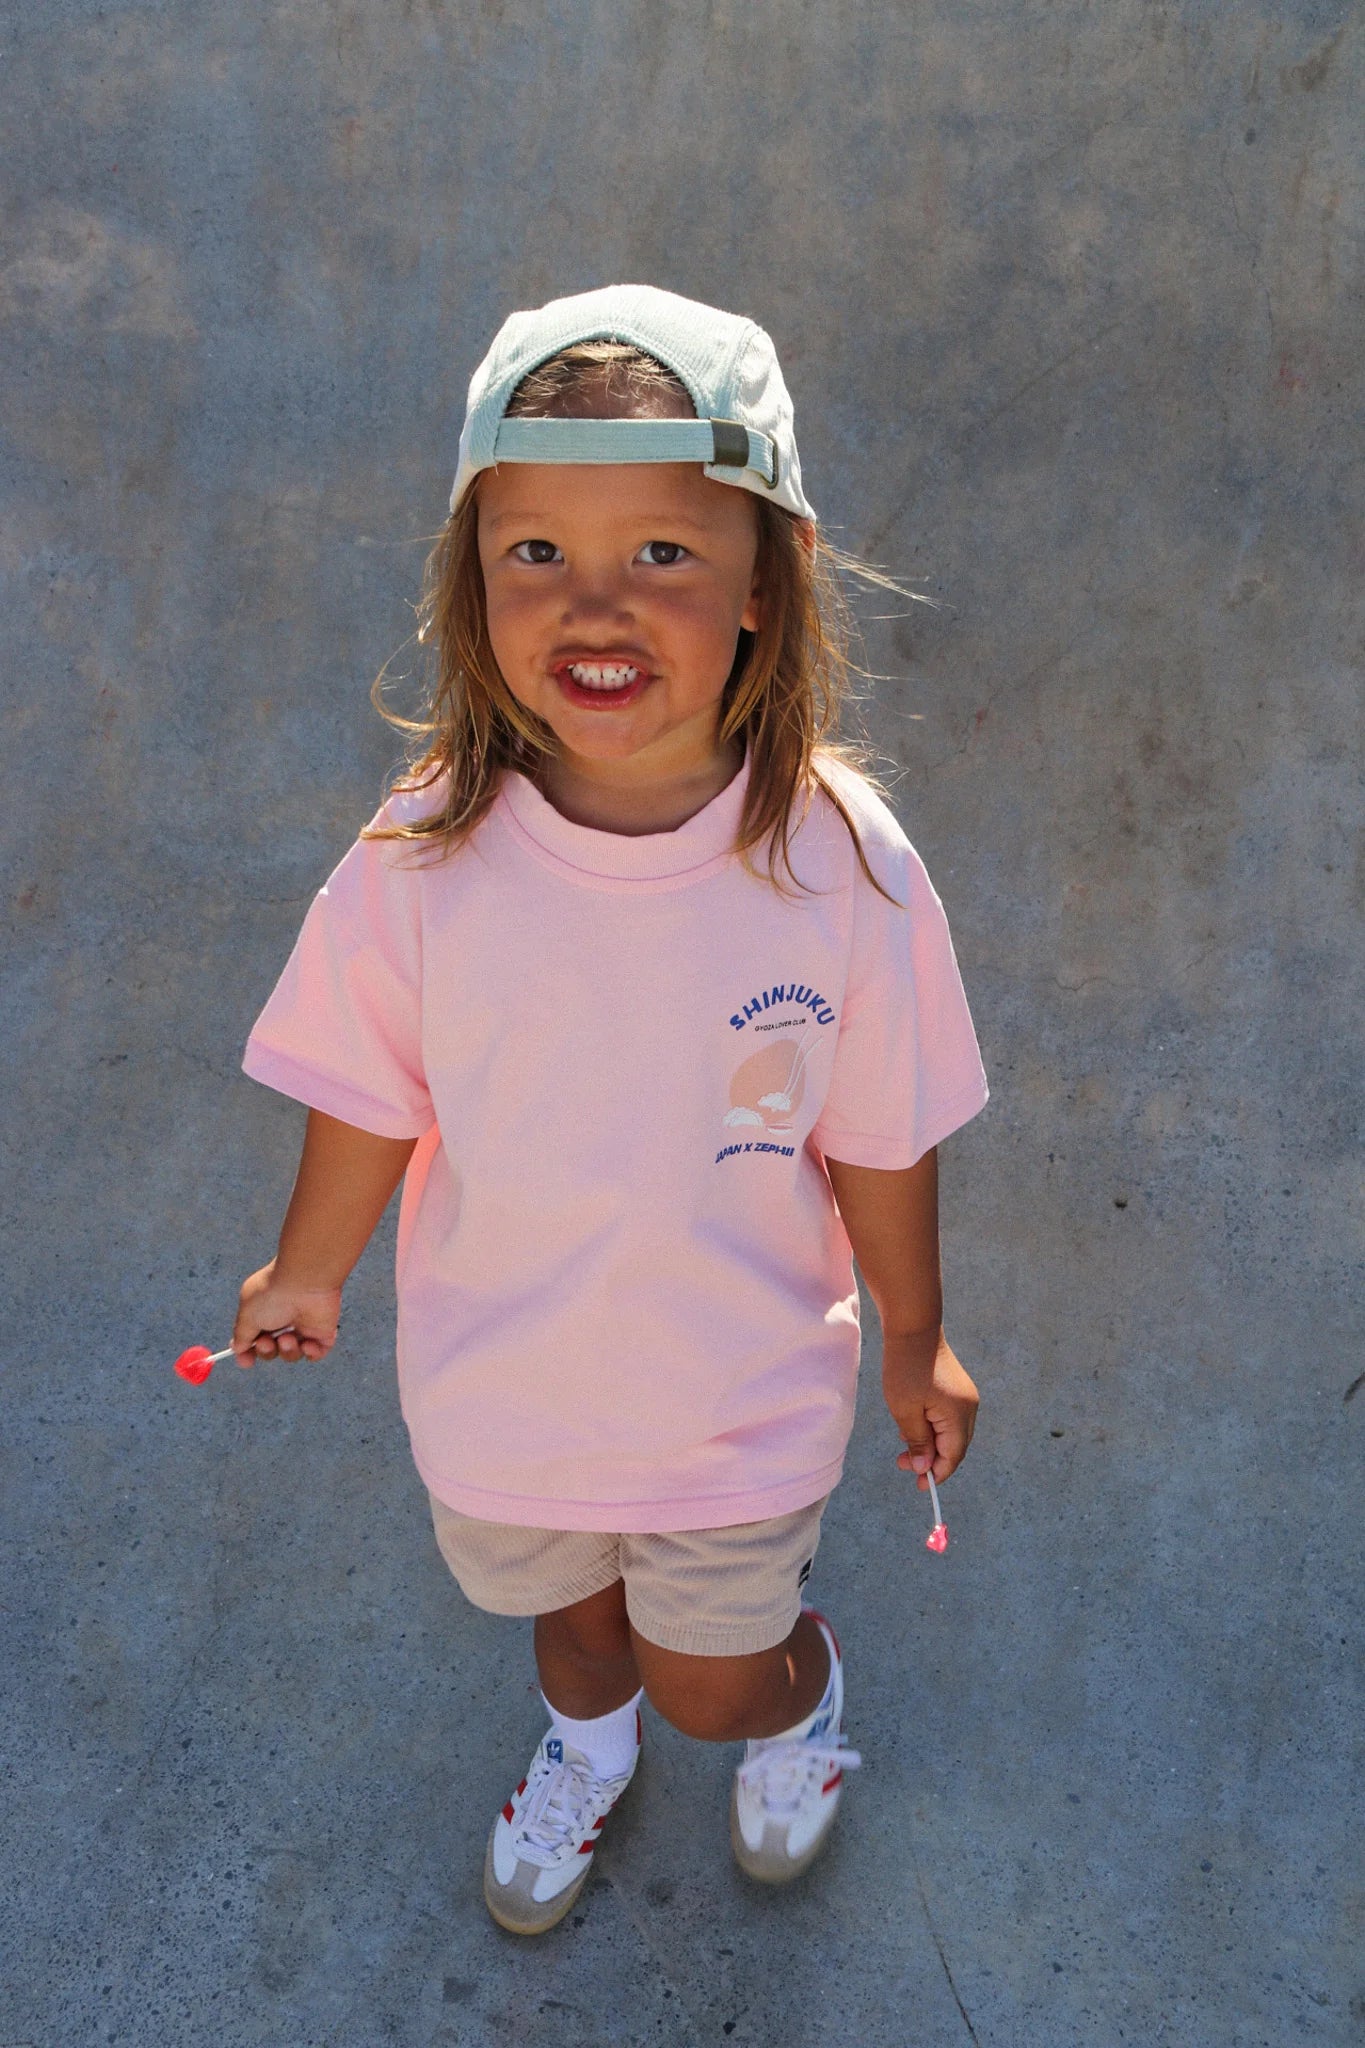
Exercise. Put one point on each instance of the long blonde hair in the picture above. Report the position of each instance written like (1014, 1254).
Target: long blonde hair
(785, 695)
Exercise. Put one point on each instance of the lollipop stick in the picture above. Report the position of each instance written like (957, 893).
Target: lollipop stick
(937, 1539)
(284, 1330)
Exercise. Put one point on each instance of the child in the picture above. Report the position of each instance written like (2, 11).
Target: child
(625, 1075)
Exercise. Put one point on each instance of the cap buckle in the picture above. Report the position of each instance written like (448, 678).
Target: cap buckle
(731, 439)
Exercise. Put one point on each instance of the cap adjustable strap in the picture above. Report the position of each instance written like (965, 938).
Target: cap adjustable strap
(722, 444)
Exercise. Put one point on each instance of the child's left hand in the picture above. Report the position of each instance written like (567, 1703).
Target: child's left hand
(933, 1401)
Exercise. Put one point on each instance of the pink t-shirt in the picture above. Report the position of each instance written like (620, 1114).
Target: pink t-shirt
(625, 1296)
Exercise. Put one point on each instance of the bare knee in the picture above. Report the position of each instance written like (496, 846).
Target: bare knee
(714, 1699)
(591, 1631)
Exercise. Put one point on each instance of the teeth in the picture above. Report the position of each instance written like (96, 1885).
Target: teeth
(602, 675)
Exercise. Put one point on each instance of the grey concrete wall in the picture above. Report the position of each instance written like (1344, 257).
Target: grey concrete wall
(1069, 298)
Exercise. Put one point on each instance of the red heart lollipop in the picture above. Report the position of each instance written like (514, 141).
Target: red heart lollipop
(195, 1365)
(198, 1362)
(937, 1539)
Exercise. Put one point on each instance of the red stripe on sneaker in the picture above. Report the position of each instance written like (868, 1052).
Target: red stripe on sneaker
(586, 1848)
(520, 1789)
(824, 1623)
(507, 1812)
(830, 1783)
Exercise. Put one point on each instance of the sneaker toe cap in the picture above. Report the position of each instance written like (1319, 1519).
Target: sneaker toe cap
(548, 1884)
(534, 1883)
(751, 1819)
(504, 1853)
(808, 1825)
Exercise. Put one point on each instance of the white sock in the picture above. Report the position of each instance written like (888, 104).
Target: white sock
(609, 1742)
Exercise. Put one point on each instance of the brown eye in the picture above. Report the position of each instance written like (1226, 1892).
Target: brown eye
(536, 551)
(662, 554)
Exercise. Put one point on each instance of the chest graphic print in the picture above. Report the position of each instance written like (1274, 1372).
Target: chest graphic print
(767, 1088)
(769, 1083)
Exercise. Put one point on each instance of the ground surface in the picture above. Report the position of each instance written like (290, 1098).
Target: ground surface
(1069, 302)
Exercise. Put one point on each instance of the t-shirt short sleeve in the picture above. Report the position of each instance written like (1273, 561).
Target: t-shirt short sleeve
(342, 1029)
(907, 1068)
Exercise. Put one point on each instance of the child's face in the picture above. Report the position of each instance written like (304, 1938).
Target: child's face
(644, 567)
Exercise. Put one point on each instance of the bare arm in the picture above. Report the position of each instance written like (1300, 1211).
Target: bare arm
(345, 1179)
(892, 1224)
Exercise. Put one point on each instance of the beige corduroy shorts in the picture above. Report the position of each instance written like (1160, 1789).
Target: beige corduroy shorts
(705, 1592)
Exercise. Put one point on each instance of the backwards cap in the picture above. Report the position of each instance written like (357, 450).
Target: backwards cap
(743, 433)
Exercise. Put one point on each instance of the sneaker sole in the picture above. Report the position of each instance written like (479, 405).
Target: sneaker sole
(769, 1867)
(518, 1916)
(527, 1916)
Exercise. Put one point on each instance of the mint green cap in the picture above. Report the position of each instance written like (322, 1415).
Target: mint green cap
(743, 433)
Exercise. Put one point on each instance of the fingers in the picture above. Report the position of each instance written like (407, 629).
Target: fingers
(934, 1409)
(951, 1437)
(920, 1445)
(251, 1343)
(244, 1341)
(936, 1444)
(254, 1349)
(305, 1337)
(283, 1344)
(290, 1345)
(277, 1318)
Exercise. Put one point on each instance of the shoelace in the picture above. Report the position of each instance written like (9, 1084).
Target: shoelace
(558, 1809)
(783, 1775)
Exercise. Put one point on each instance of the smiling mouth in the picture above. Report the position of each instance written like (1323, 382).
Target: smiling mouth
(603, 675)
(601, 685)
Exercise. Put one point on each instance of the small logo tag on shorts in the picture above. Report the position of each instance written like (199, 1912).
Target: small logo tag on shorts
(554, 1750)
(804, 1573)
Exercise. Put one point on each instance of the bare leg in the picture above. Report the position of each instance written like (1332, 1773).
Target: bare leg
(729, 1699)
(585, 1656)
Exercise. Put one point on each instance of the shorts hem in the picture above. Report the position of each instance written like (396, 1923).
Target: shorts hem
(547, 1600)
(713, 1639)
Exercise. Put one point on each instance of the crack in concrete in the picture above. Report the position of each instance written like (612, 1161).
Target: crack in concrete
(933, 463)
(1253, 250)
(1250, 244)
(933, 1936)
(1007, 690)
(1073, 988)
(1040, 377)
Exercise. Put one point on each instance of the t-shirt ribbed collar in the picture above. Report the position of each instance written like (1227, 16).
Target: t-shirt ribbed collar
(617, 856)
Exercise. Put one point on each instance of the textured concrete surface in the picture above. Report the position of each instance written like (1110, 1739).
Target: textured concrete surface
(1070, 301)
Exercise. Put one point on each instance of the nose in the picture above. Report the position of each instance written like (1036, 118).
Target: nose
(592, 596)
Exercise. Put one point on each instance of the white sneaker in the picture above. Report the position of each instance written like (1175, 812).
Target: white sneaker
(786, 1792)
(541, 1847)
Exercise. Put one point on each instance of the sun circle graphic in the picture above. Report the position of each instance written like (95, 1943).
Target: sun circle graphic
(766, 1090)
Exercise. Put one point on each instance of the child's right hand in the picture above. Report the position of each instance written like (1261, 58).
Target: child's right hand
(305, 1317)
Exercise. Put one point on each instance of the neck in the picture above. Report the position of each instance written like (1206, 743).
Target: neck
(586, 793)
